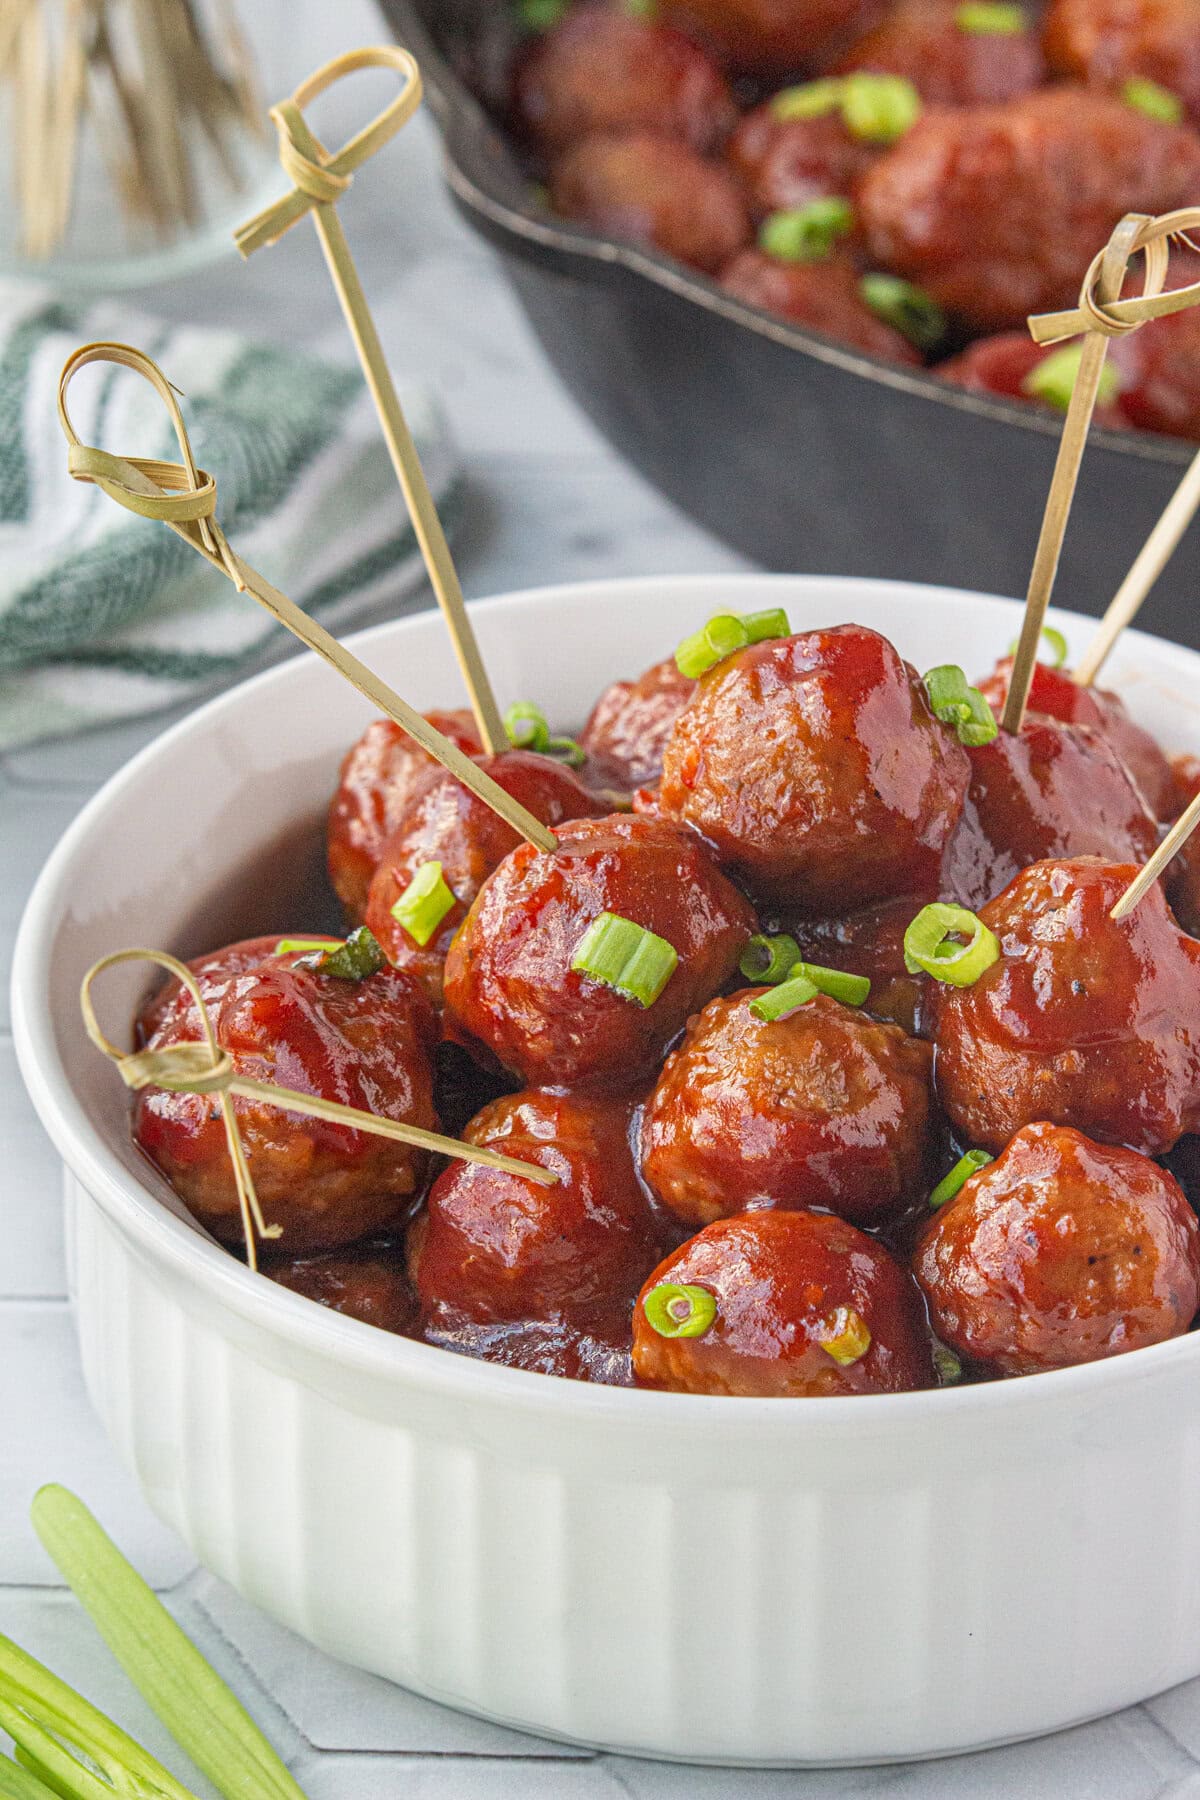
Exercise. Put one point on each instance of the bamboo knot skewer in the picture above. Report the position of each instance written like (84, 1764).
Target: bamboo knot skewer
(319, 178)
(183, 497)
(204, 1067)
(1100, 315)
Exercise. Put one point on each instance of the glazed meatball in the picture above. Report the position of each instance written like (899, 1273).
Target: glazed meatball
(1062, 1251)
(509, 981)
(444, 822)
(784, 163)
(376, 780)
(366, 1282)
(822, 296)
(773, 37)
(997, 212)
(628, 728)
(824, 1108)
(1050, 790)
(366, 1044)
(495, 1248)
(805, 1305)
(948, 64)
(1004, 363)
(815, 768)
(604, 71)
(1082, 1021)
(654, 191)
(1053, 692)
(1106, 42)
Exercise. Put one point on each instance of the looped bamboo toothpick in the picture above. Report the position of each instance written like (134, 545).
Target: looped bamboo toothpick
(184, 497)
(203, 1067)
(1100, 289)
(319, 179)
(1102, 315)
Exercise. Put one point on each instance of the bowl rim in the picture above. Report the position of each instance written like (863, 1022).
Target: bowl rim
(139, 1212)
(472, 179)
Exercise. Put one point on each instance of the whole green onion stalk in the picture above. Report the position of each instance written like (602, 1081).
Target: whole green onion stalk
(44, 1716)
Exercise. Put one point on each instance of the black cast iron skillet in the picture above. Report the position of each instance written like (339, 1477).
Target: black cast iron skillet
(800, 452)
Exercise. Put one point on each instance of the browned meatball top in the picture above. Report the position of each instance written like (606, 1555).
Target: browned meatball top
(814, 767)
(805, 1305)
(1105, 42)
(825, 1108)
(601, 70)
(1082, 1021)
(655, 191)
(510, 985)
(773, 37)
(998, 211)
(1062, 1251)
(949, 65)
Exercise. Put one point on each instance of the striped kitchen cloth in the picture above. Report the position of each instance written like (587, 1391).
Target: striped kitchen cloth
(104, 615)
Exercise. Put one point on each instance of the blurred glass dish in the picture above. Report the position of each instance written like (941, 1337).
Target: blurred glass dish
(135, 133)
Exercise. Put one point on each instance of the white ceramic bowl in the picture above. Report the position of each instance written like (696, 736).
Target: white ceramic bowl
(682, 1576)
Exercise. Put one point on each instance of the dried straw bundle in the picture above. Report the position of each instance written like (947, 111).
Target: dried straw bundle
(152, 82)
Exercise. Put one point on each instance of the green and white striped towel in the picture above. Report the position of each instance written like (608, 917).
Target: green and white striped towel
(104, 615)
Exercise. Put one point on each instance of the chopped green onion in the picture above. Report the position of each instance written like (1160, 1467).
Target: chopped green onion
(627, 957)
(806, 233)
(677, 1311)
(1057, 643)
(206, 1720)
(540, 15)
(949, 1369)
(810, 100)
(955, 703)
(905, 307)
(1053, 379)
(724, 635)
(566, 750)
(879, 108)
(525, 726)
(781, 1002)
(290, 946)
(849, 1336)
(851, 990)
(1146, 96)
(769, 960)
(424, 903)
(984, 19)
(721, 637)
(356, 959)
(772, 622)
(959, 1175)
(929, 945)
(640, 9)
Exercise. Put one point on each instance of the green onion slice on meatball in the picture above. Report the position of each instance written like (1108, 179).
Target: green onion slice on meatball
(951, 944)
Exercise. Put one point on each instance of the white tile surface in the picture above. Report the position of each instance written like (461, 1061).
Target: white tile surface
(549, 501)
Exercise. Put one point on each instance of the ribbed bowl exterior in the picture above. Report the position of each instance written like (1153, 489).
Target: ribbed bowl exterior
(683, 1576)
(789, 1596)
